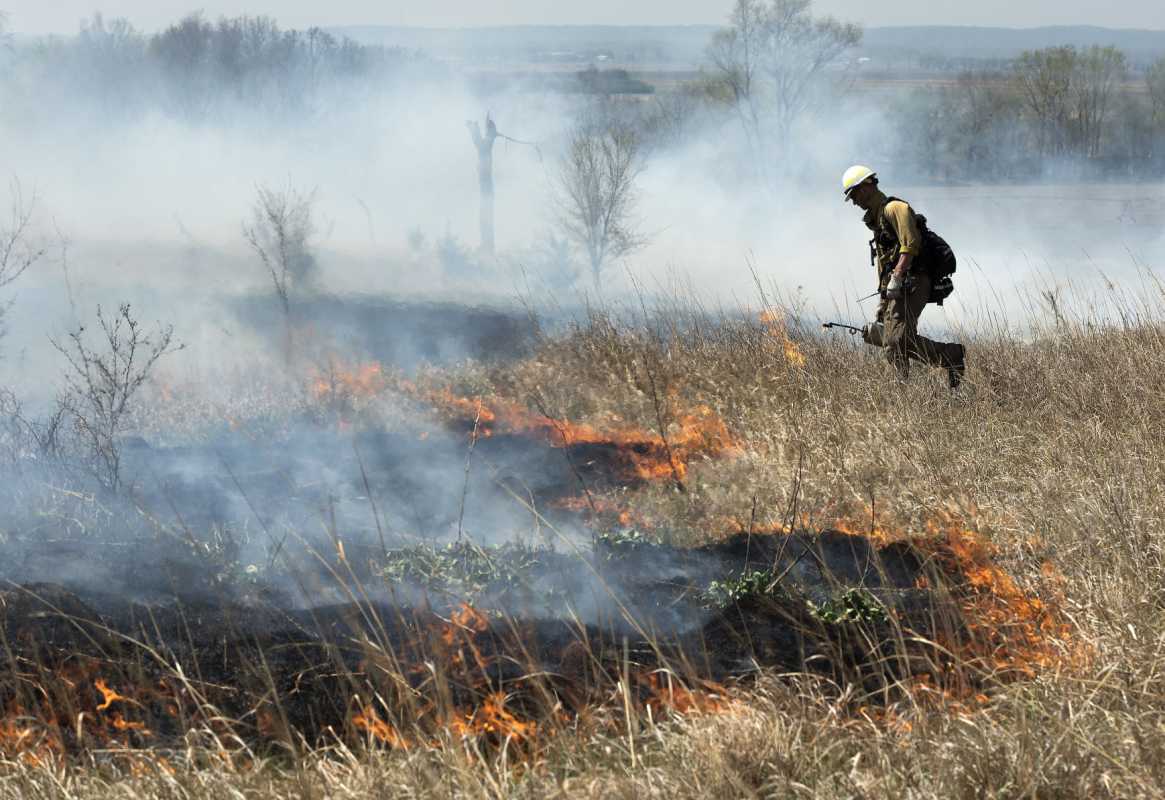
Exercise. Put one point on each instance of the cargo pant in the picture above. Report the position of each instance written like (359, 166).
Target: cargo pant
(898, 332)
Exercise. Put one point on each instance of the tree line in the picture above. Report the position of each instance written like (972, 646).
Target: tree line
(781, 72)
(1060, 111)
(196, 68)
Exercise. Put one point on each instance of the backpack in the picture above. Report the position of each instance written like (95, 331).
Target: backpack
(937, 260)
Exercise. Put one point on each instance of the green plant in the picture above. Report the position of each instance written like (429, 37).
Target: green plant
(462, 571)
(852, 605)
(751, 584)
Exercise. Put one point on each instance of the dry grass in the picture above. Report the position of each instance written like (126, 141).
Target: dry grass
(1055, 450)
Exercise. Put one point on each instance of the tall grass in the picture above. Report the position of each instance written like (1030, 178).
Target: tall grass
(1054, 450)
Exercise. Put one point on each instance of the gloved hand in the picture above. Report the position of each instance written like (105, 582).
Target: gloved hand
(896, 287)
(872, 334)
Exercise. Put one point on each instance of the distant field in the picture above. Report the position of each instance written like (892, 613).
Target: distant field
(664, 77)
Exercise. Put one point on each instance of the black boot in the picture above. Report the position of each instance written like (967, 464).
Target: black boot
(957, 367)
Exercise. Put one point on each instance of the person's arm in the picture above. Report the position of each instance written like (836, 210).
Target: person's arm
(903, 266)
(901, 218)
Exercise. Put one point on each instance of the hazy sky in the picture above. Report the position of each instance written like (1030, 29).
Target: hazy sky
(62, 16)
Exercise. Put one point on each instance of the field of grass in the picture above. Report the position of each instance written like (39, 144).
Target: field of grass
(1053, 451)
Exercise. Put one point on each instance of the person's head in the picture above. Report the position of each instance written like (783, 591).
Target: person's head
(860, 184)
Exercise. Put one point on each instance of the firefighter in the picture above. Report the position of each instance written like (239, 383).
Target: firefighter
(904, 281)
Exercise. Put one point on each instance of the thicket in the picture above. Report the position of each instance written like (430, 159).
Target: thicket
(1057, 112)
(196, 69)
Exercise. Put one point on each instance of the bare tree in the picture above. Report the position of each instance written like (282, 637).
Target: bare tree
(183, 51)
(1155, 82)
(596, 191)
(798, 49)
(280, 233)
(112, 57)
(1044, 80)
(1068, 93)
(17, 251)
(1097, 72)
(101, 381)
(735, 53)
(484, 144)
(775, 60)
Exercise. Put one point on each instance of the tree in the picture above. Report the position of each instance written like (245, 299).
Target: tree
(1068, 93)
(596, 190)
(112, 55)
(798, 50)
(1044, 81)
(774, 59)
(183, 52)
(17, 250)
(280, 234)
(986, 121)
(735, 53)
(484, 144)
(1097, 72)
(102, 380)
(1155, 82)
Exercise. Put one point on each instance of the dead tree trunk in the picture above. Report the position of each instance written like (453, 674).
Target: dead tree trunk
(485, 178)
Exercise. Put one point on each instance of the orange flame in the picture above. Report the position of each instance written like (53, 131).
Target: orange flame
(339, 382)
(33, 739)
(778, 332)
(699, 432)
(1012, 632)
(469, 617)
(370, 722)
(493, 718)
(110, 695)
(668, 693)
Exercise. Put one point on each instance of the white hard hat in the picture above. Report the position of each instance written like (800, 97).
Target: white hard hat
(855, 176)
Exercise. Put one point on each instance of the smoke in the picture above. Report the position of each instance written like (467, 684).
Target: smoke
(142, 200)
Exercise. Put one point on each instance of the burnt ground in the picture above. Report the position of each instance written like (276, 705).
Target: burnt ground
(621, 611)
(196, 512)
(404, 333)
(283, 588)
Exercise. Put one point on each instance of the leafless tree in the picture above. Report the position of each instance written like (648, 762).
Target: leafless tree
(1155, 82)
(799, 48)
(775, 58)
(101, 381)
(1068, 93)
(483, 143)
(280, 233)
(596, 192)
(17, 250)
(736, 53)
(183, 51)
(112, 58)
(1097, 72)
(1044, 79)
(23, 438)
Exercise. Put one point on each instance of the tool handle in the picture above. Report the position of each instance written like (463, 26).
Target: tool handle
(853, 331)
